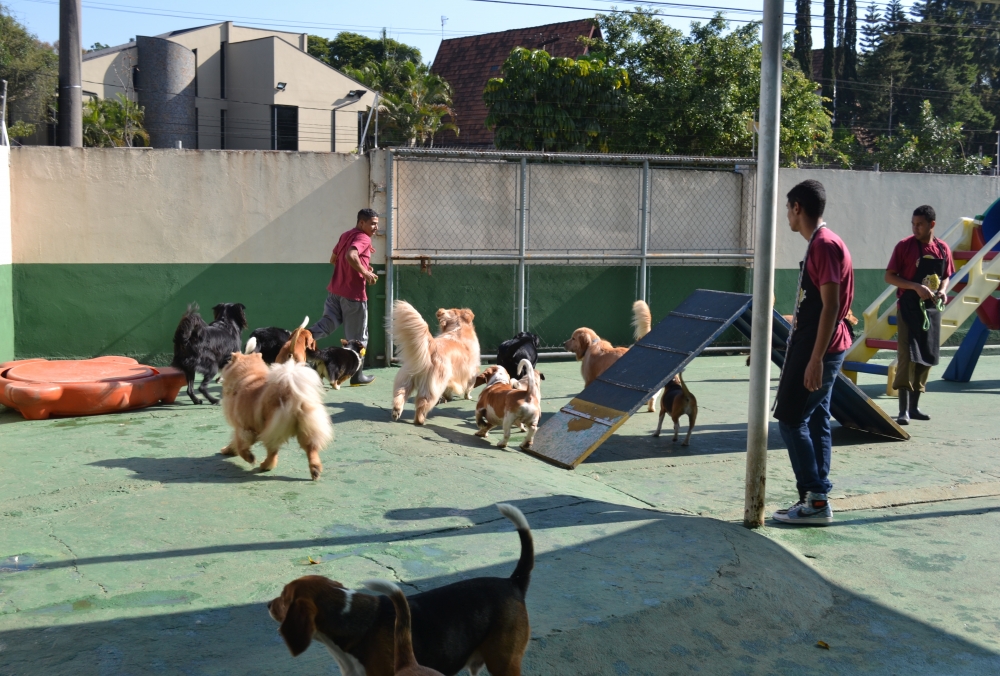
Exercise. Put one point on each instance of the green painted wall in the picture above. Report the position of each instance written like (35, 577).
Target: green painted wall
(6, 312)
(73, 311)
(561, 297)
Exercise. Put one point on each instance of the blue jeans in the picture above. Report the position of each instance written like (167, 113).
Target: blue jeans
(809, 442)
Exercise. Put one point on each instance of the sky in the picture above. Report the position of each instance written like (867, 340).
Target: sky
(415, 23)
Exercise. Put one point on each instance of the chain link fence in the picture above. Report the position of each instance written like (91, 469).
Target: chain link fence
(548, 242)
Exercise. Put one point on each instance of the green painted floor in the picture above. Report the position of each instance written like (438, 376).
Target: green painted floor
(128, 545)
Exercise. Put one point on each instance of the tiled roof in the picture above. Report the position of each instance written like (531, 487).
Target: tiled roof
(468, 63)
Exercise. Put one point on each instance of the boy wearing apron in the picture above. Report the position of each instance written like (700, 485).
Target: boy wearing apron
(820, 337)
(921, 266)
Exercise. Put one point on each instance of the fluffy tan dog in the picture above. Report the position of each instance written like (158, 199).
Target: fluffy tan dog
(272, 405)
(501, 404)
(433, 367)
(596, 354)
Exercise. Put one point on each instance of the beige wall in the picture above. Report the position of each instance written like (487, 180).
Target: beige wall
(871, 210)
(182, 206)
(105, 75)
(5, 230)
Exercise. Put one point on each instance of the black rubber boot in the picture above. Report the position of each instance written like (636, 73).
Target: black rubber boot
(915, 412)
(904, 408)
(360, 378)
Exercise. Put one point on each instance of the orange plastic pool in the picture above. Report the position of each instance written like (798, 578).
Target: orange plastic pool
(39, 388)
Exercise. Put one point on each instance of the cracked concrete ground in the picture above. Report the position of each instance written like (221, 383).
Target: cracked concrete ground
(128, 545)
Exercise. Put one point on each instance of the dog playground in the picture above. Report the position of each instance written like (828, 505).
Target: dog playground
(131, 544)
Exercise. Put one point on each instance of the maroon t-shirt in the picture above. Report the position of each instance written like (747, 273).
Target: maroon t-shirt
(830, 262)
(346, 281)
(908, 252)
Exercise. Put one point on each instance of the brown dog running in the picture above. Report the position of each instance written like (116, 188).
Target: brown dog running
(475, 623)
(297, 344)
(677, 400)
(501, 404)
(406, 661)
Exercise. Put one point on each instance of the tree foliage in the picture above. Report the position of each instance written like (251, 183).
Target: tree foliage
(351, 50)
(930, 146)
(113, 123)
(551, 103)
(31, 69)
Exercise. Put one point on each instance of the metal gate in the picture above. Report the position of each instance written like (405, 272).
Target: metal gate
(513, 216)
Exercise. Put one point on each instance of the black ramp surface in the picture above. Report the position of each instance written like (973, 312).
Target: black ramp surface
(581, 426)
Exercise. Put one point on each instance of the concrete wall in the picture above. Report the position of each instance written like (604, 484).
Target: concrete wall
(6, 269)
(110, 245)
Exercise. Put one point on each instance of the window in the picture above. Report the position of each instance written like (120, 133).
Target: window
(195, 71)
(222, 72)
(135, 78)
(196, 130)
(284, 128)
(222, 129)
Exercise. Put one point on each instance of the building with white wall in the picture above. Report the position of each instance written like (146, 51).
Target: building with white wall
(224, 86)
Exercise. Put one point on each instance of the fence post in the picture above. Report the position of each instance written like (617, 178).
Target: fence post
(522, 232)
(644, 234)
(389, 195)
(763, 266)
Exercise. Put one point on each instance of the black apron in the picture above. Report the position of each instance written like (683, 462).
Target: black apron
(790, 404)
(922, 317)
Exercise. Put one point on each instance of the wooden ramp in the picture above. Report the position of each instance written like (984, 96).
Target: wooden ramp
(576, 431)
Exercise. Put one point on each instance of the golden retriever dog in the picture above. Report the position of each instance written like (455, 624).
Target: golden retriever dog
(434, 367)
(272, 405)
(596, 354)
(296, 346)
(501, 404)
(677, 400)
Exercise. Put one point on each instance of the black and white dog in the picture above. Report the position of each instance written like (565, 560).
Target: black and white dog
(522, 346)
(206, 348)
(271, 339)
(337, 364)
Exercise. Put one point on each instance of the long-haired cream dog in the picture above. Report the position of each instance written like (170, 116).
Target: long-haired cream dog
(433, 367)
(272, 405)
(597, 354)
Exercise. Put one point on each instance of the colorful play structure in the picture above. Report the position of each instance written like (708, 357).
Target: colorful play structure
(975, 243)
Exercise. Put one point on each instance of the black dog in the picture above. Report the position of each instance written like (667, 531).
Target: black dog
(206, 348)
(337, 364)
(270, 340)
(522, 346)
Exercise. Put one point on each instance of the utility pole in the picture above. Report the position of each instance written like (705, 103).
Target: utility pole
(763, 264)
(70, 84)
(444, 20)
(996, 167)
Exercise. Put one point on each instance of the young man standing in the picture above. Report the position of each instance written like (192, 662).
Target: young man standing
(920, 267)
(820, 337)
(347, 302)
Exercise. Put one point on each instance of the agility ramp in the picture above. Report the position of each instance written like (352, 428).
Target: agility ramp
(582, 425)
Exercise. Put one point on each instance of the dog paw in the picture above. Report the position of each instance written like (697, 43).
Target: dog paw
(656, 434)
(395, 415)
(501, 444)
(315, 472)
(526, 446)
(685, 444)
(228, 450)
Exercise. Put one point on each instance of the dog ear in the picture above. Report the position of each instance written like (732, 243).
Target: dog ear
(468, 315)
(534, 340)
(217, 310)
(344, 342)
(440, 313)
(243, 315)
(299, 625)
(310, 341)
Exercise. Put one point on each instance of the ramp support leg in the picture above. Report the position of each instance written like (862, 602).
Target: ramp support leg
(967, 356)
(763, 265)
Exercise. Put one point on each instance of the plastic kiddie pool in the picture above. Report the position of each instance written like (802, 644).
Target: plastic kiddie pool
(39, 388)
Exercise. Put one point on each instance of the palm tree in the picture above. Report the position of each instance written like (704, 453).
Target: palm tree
(113, 123)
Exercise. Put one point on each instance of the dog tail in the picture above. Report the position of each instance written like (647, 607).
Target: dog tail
(305, 322)
(190, 324)
(251, 346)
(522, 573)
(301, 412)
(684, 387)
(404, 638)
(642, 319)
(532, 381)
(411, 333)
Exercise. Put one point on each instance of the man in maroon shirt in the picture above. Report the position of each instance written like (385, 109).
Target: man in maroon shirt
(347, 302)
(918, 308)
(820, 337)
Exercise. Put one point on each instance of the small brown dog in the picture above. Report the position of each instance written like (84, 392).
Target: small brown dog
(297, 344)
(515, 383)
(406, 661)
(273, 405)
(677, 400)
(501, 404)
(596, 354)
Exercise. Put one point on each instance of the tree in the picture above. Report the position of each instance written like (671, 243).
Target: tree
(113, 123)
(351, 50)
(930, 146)
(803, 36)
(31, 69)
(98, 46)
(829, 50)
(847, 80)
(552, 103)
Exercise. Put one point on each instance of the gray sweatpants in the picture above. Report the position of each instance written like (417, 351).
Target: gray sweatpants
(337, 310)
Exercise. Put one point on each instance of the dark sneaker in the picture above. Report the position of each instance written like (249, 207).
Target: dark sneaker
(815, 511)
(787, 509)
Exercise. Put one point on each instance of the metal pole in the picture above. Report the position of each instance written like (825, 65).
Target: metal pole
(763, 268)
(996, 169)
(389, 222)
(70, 64)
(644, 234)
(522, 231)
(4, 141)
